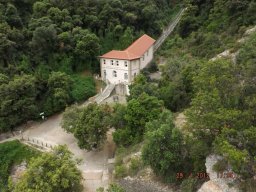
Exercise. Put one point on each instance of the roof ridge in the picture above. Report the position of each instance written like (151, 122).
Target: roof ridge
(130, 54)
(135, 41)
(134, 51)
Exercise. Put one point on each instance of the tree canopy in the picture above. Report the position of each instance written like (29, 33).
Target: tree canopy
(89, 124)
(55, 171)
(45, 41)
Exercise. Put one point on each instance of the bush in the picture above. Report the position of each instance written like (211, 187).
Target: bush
(220, 166)
(188, 185)
(120, 171)
(135, 166)
(115, 188)
(12, 153)
(83, 88)
(123, 137)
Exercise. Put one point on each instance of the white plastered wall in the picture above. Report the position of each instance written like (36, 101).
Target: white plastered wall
(148, 56)
(135, 68)
(109, 69)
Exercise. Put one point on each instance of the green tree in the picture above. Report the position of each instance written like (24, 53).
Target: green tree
(87, 43)
(140, 111)
(89, 125)
(126, 39)
(17, 103)
(40, 9)
(141, 85)
(163, 148)
(44, 40)
(7, 46)
(12, 16)
(71, 118)
(83, 88)
(54, 171)
(117, 119)
(13, 153)
(59, 92)
(214, 106)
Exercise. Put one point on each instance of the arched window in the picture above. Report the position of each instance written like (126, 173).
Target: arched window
(105, 74)
(114, 74)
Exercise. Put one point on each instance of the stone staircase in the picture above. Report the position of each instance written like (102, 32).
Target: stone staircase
(105, 94)
(168, 30)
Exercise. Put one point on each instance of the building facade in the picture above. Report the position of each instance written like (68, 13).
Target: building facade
(122, 66)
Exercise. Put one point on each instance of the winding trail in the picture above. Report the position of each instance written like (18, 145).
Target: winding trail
(94, 164)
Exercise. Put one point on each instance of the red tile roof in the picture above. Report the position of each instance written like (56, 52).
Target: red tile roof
(134, 51)
(125, 55)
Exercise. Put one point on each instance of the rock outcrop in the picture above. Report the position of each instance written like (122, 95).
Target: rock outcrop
(225, 182)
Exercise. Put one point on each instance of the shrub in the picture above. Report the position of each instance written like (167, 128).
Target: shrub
(83, 88)
(123, 137)
(188, 185)
(115, 188)
(135, 166)
(220, 166)
(12, 153)
(120, 171)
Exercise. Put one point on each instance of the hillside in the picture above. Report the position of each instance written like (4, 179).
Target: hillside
(47, 44)
(49, 51)
(217, 98)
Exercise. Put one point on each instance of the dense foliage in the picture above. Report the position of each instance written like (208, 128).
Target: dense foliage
(12, 153)
(89, 124)
(55, 171)
(163, 149)
(219, 95)
(137, 113)
(42, 41)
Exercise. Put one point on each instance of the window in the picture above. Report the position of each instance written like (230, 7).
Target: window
(104, 61)
(117, 63)
(143, 57)
(125, 76)
(105, 74)
(112, 62)
(147, 53)
(125, 64)
(134, 74)
(114, 74)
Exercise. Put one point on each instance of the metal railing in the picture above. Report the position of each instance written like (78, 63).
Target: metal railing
(168, 30)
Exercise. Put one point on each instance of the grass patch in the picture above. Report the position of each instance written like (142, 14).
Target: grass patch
(13, 153)
(121, 171)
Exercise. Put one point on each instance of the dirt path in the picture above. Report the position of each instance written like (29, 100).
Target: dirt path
(94, 164)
